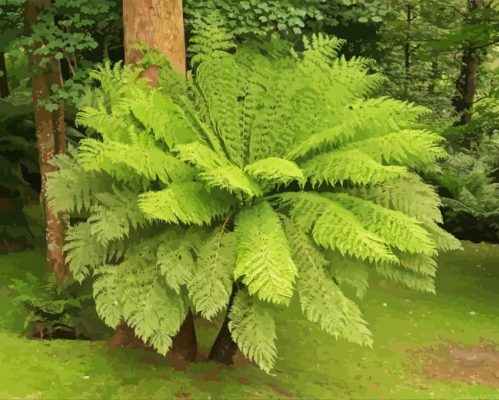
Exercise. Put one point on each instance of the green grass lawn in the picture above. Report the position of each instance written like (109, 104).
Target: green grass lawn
(425, 346)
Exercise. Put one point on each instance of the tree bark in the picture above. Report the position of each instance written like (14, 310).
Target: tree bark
(407, 51)
(159, 24)
(51, 139)
(224, 348)
(466, 85)
(466, 82)
(4, 86)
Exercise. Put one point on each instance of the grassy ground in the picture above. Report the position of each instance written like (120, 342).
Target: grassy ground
(425, 347)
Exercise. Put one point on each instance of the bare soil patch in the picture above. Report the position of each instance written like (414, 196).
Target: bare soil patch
(455, 362)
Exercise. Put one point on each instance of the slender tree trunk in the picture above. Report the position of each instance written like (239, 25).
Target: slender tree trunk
(467, 80)
(466, 85)
(51, 139)
(159, 24)
(4, 86)
(407, 51)
(224, 348)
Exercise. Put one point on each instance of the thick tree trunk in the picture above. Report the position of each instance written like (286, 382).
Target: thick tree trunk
(4, 86)
(224, 348)
(159, 24)
(51, 139)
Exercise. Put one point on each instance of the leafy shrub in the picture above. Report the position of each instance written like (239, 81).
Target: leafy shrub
(56, 311)
(268, 169)
(472, 199)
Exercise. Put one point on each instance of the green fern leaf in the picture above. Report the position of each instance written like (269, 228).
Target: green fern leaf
(334, 227)
(211, 283)
(106, 295)
(396, 228)
(253, 329)
(82, 251)
(187, 202)
(349, 165)
(275, 170)
(263, 257)
(322, 301)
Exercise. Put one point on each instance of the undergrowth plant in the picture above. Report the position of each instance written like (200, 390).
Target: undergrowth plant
(57, 311)
(267, 173)
(470, 179)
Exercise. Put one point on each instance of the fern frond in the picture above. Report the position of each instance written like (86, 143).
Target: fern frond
(210, 40)
(349, 166)
(420, 263)
(409, 195)
(322, 301)
(111, 127)
(350, 272)
(253, 329)
(263, 256)
(412, 280)
(334, 227)
(163, 117)
(155, 315)
(146, 160)
(70, 188)
(211, 283)
(115, 215)
(175, 257)
(216, 171)
(444, 240)
(83, 252)
(200, 156)
(411, 148)
(275, 170)
(396, 228)
(186, 202)
(107, 295)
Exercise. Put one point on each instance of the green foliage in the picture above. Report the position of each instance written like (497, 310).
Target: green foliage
(253, 328)
(264, 192)
(54, 311)
(472, 200)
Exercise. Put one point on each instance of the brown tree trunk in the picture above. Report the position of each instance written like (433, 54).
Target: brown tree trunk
(51, 139)
(466, 85)
(466, 82)
(407, 51)
(4, 86)
(159, 24)
(224, 348)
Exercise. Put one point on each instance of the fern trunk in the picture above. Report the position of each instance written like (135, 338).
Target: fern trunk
(224, 348)
(51, 139)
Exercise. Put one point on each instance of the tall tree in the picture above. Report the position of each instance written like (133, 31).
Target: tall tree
(4, 87)
(159, 25)
(50, 134)
(467, 81)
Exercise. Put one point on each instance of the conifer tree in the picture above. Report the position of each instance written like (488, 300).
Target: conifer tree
(266, 174)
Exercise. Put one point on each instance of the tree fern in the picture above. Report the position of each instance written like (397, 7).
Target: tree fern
(269, 170)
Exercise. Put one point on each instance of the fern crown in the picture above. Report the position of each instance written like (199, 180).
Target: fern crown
(270, 170)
